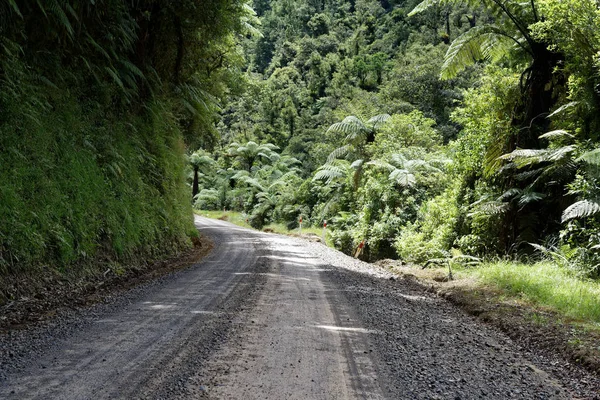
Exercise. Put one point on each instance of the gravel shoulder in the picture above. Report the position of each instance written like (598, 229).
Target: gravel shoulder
(409, 342)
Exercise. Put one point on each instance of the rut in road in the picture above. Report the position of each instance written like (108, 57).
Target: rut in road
(266, 316)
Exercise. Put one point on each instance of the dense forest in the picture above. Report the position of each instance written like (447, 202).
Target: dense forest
(425, 129)
(98, 103)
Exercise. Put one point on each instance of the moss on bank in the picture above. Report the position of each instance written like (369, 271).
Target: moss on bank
(81, 185)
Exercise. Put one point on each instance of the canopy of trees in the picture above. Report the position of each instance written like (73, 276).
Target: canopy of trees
(421, 127)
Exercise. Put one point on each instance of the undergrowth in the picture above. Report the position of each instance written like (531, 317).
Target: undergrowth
(78, 185)
(242, 219)
(544, 284)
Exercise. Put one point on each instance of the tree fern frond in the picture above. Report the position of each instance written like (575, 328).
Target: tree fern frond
(422, 6)
(510, 194)
(476, 44)
(560, 153)
(339, 152)
(527, 175)
(402, 177)
(357, 164)
(563, 108)
(524, 157)
(270, 146)
(591, 157)
(268, 156)
(254, 183)
(397, 159)
(555, 134)
(492, 163)
(530, 197)
(422, 165)
(377, 120)
(329, 173)
(382, 164)
(490, 208)
(581, 209)
(240, 175)
(197, 159)
(352, 127)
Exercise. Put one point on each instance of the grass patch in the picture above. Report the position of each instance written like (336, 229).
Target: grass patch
(541, 306)
(241, 219)
(545, 284)
(237, 218)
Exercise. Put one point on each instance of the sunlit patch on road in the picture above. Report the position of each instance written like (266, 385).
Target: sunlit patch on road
(343, 329)
(162, 306)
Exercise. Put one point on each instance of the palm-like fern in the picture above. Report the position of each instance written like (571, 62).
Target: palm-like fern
(403, 170)
(335, 170)
(357, 133)
(198, 160)
(587, 207)
(488, 41)
(249, 153)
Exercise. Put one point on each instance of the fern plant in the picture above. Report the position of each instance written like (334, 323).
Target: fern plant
(586, 207)
(490, 41)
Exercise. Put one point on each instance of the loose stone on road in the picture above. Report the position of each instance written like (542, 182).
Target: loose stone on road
(271, 317)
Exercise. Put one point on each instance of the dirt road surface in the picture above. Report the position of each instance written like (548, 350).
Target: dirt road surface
(270, 317)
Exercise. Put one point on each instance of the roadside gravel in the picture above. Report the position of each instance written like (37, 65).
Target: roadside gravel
(433, 350)
(269, 316)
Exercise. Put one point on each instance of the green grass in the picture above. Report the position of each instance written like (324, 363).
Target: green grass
(545, 284)
(238, 218)
(80, 185)
(234, 217)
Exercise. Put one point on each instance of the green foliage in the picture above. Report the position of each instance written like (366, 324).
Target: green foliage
(547, 284)
(109, 191)
(496, 155)
(432, 234)
(96, 100)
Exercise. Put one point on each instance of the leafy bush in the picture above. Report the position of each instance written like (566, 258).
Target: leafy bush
(433, 233)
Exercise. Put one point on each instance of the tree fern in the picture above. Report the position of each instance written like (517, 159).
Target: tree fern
(340, 152)
(487, 41)
(332, 171)
(354, 129)
(591, 157)
(581, 209)
(402, 177)
(484, 42)
(556, 134)
(377, 120)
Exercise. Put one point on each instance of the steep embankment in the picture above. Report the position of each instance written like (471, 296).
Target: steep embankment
(79, 186)
(96, 99)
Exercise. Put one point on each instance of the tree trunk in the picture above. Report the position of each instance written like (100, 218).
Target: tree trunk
(195, 185)
(538, 86)
(292, 126)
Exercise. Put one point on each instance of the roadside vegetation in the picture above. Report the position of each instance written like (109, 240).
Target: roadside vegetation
(443, 134)
(547, 285)
(242, 219)
(99, 101)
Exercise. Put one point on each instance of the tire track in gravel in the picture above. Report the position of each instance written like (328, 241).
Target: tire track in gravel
(326, 326)
(268, 316)
(140, 344)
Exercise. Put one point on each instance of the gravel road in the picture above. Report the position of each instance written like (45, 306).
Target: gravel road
(270, 317)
